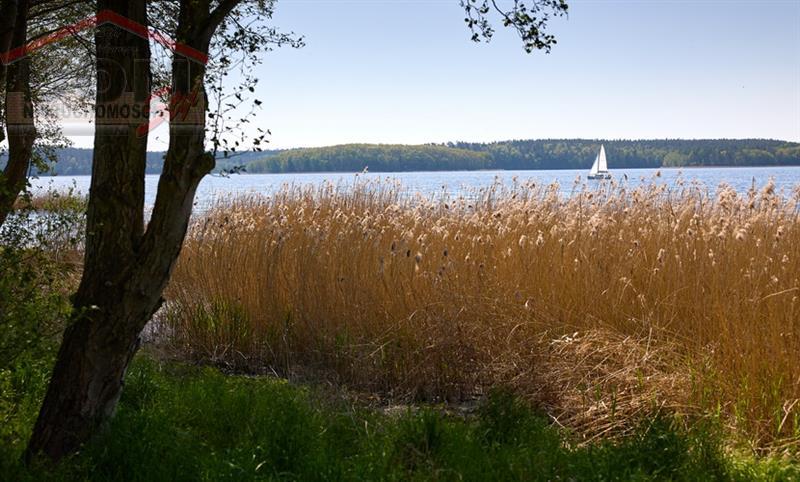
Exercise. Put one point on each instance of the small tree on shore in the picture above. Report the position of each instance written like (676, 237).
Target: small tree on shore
(19, 126)
(30, 130)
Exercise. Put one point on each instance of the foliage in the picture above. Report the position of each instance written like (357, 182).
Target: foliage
(182, 423)
(55, 90)
(38, 247)
(378, 158)
(35, 242)
(31, 310)
(532, 154)
(529, 18)
(238, 46)
(579, 153)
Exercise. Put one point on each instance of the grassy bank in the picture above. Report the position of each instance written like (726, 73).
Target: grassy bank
(181, 423)
(511, 335)
(598, 308)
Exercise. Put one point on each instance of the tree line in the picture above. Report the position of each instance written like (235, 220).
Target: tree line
(580, 153)
(532, 154)
(375, 157)
(74, 161)
(465, 156)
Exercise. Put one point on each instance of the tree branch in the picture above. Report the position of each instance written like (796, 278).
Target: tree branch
(217, 16)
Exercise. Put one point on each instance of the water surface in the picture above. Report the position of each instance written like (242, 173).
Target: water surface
(454, 182)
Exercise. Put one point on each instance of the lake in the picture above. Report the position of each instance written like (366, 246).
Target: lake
(455, 182)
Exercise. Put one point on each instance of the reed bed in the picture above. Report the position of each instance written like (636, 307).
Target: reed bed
(599, 306)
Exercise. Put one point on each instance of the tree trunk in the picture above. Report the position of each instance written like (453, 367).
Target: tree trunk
(107, 315)
(18, 116)
(8, 18)
(84, 388)
(125, 268)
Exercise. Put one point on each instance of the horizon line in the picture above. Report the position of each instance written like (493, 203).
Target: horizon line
(535, 139)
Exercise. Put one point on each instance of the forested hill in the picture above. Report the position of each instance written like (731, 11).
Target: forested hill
(533, 154)
(518, 154)
(580, 153)
(376, 157)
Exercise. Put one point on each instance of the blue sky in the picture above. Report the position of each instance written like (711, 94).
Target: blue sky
(404, 71)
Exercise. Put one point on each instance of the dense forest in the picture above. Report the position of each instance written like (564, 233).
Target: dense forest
(533, 154)
(515, 154)
(375, 157)
(579, 153)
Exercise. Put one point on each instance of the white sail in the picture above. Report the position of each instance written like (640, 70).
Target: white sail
(596, 165)
(602, 165)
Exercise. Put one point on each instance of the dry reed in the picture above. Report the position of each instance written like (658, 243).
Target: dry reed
(599, 305)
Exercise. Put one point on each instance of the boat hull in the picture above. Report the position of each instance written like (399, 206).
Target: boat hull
(601, 175)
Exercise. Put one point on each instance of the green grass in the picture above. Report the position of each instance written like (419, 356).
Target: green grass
(182, 423)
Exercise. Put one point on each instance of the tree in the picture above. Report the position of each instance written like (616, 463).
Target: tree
(18, 106)
(26, 80)
(126, 266)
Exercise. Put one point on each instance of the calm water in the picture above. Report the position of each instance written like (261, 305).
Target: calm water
(454, 182)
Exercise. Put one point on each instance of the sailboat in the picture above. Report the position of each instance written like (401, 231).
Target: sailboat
(600, 167)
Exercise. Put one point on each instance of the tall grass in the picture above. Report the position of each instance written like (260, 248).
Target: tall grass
(182, 424)
(599, 305)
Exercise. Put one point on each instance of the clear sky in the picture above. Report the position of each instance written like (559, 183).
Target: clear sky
(404, 71)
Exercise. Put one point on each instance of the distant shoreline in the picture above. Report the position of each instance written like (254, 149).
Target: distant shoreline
(514, 155)
(612, 170)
